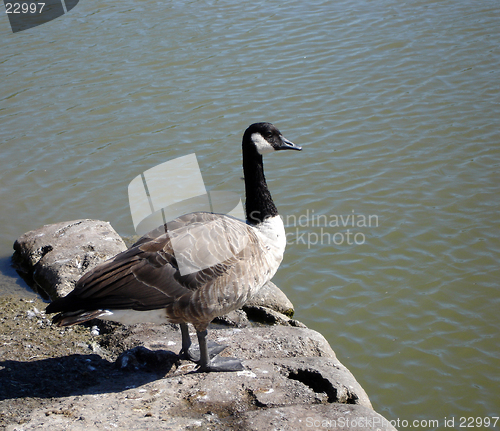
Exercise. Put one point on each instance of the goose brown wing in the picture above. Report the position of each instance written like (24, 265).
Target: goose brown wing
(158, 270)
(118, 283)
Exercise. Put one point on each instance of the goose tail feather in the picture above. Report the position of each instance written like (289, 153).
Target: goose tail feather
(74, 317)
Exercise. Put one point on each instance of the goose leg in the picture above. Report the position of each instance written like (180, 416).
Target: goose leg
(217, 363)
(186, 339)
(193, 352)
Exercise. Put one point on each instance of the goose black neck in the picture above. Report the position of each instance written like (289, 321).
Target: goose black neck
(259, 203)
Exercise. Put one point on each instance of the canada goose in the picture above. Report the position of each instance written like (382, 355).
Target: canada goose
(150, 283)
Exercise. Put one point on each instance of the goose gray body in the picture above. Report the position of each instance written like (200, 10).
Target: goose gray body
(193, 269)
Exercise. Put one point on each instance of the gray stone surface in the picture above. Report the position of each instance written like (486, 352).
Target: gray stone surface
(53, 257)
(272, 297)
(291, 380)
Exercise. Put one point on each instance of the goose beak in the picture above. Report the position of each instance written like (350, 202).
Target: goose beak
(288, 145)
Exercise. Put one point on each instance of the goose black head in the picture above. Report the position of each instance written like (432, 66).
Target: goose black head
(266, 138)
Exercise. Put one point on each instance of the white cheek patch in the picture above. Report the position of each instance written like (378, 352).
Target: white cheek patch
(261, 144)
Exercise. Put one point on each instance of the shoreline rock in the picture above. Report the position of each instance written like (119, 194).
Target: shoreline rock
(52, 259)
(131, 377)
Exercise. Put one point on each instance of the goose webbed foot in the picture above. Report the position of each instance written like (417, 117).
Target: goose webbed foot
(205, 354)
(216, 363)
(220, 364)
(193, 353)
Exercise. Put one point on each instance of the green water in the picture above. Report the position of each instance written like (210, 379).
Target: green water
(397, 106)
